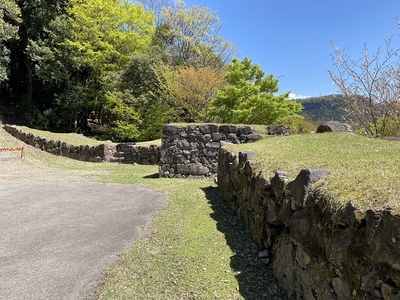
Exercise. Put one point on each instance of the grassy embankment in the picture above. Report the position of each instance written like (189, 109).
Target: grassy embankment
(75, 139)
(363, 169)
(197, 248)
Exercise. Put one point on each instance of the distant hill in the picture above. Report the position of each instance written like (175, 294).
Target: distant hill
(323, 108)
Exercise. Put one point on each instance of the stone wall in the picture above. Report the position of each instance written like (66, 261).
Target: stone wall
(317, 249)
(192, 150)
(134, 154)
(124, 153)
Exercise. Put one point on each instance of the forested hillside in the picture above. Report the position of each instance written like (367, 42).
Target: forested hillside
(324, 108)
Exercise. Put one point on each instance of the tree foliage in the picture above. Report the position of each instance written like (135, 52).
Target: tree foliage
(9, 20)
(249, 97)
(370, 86)
(129, 66)
(194, 90)
(193, 35)
(104, 35)
(106, 32)
(23, 87)
(157, 6)
(145, 81)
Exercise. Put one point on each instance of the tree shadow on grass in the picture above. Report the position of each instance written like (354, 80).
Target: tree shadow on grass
(255, 279)
(153, 176)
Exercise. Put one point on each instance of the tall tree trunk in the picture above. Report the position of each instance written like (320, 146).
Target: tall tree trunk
(29, 79)
(27, 94)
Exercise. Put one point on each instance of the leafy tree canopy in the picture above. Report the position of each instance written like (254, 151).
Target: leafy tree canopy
(249, 97)
(9, 19)
(194, 90)
(104, 36)
(106, 32)
(23, 87)
(145, 83)
(193, 36)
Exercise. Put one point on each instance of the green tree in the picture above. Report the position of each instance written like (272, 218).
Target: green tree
(249, 97)
(147, 82)
(194, 90)
(35, 17)
(55, 67)
(104, 36)
(157, 7)
(106, 32)
(193, 35)
(9, 20)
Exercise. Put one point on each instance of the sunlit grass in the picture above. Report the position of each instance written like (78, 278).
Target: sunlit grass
(149, 143)
(69, 138)
(77, 139)
(189, 254)
(363, 169)
(260, 129)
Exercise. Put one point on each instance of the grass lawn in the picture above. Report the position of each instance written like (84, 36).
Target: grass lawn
(198, 249)
(69, 138)
(362, 169)
(76, 139)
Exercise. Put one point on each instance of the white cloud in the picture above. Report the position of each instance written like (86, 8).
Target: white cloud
(295, 96)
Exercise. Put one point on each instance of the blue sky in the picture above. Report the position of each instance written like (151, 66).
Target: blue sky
(292, 39)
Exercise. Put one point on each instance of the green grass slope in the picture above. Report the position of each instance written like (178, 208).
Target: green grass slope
(363, 169)
(76, 139)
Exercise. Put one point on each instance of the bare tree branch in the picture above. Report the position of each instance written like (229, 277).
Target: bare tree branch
(371, 88)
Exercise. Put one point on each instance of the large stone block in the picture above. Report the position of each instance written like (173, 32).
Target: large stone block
(194, 169)
(300, 187)
(305, 232)
(342, 289)
(246, 156)
(349, 215)
(172, 129)
(278, 129)
(334, 126)
(383, 235)
(284, 264)
(228, 129)
(213, 145)
(217, 136)
(246, 130)
(252, 137)
(208, 128)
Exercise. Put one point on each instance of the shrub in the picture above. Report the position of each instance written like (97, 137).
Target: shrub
(298, 124)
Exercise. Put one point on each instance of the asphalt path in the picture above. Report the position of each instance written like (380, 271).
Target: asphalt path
(58, 238)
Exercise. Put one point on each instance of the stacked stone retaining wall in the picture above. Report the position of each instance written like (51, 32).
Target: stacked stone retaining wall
(192, 150)
(134, 154)
(317, 249)
(124, 153)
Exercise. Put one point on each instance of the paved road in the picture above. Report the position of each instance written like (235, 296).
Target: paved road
(58, 238)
